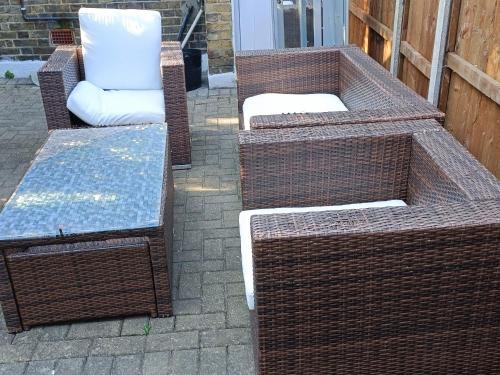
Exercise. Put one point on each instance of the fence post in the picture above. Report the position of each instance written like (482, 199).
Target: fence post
(396, 36)
(438, 53)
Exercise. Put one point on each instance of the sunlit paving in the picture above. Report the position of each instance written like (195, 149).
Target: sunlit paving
(240, 187)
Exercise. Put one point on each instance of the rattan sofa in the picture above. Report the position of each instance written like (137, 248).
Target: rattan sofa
(65, 69)
(369, 92)
(399, 290)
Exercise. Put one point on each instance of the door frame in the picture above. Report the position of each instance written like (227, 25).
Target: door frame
(277, 19)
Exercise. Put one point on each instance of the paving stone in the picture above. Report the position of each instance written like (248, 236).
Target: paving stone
(103, 328)
(222, 277)
(235, 289)
(172, 341)
(212, 249)
(127, 365)
(212, 212)
(12, 368)
(16, 353)
(26, 337)
(240, 360)
(194, 204)
(190, 286)
(161, 325)
(206, 245)
(184, 362)
(187, 256)
(213, 298)
(192, 240)
(187, 307)
(213, 361)
(53, 332)
(156, 363)
(231, 218)
(237, 312)
(223, 337)
(205, 265)
(70, 366)
(134, 326)
(118, 345)
(41, 368)
(98, 366)
(233, 259)
(200, 322)
(61, 349)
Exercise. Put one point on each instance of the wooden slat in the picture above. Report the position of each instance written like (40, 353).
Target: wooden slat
(373, 23)
(416, 58)
(474, 76)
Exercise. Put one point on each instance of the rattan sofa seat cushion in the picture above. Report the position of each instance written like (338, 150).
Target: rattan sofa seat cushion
(99, 107)
(90, 180)
(278, 104)
(121, 48)
(246, 239)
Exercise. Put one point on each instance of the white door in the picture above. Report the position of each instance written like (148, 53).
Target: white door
(268, 24)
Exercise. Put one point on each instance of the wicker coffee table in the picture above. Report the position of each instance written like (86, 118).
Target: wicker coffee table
(88, 232)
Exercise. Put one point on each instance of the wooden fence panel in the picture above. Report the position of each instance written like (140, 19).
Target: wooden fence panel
(419, 34)
(472, 117)
(470, 91)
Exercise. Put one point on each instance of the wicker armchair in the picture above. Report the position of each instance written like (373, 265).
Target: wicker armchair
(376, 291)
(64, 70)
(369, 92)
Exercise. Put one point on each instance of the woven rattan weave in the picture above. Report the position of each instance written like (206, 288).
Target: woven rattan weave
(65, 69)
(369, 92)
(401, 290)
(97, 241)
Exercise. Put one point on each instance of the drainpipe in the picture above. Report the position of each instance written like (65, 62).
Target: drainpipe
(43, 18)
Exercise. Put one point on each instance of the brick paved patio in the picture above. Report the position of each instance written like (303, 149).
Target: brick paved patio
(209, 333)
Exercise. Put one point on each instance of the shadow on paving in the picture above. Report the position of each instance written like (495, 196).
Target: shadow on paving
(209, 332)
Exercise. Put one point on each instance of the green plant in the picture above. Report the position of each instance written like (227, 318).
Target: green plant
(9, 75)
(147, 328)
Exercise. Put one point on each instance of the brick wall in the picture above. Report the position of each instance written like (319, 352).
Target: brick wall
(21, 40)
(219, 36)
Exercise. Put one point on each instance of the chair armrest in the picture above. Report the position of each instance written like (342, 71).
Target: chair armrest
(175, 96)
(397, 113)
(405, 277)
(442, 170)
(291, 71)
(57, 78)
(361, 61)
(323, 165)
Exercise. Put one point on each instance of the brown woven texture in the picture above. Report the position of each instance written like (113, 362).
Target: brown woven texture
(369, 92)
(378, 291)
(65, 69)
(89, 276)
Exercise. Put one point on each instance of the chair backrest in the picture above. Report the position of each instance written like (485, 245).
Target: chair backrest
(121, 48)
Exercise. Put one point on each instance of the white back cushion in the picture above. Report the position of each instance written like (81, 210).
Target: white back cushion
(277, 104)
(246, 235)
(121, 48)
(100, 107)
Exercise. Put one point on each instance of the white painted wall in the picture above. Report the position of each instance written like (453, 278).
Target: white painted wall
(254, 19)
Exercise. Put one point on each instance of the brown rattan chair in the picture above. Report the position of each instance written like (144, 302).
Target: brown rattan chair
(369, 92)
(65, 69)
(397, 290)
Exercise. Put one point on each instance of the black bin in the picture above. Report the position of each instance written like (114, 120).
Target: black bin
(192, 68)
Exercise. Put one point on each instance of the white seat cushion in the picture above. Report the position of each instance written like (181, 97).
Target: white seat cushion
(246, 236)
(277, 104)
(100, 107)
(121, 48)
